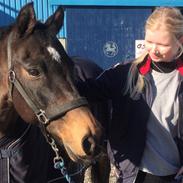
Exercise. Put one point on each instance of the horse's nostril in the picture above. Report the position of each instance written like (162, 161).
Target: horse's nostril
(88, 144)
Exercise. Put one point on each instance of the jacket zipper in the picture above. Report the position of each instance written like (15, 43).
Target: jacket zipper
(180, 111)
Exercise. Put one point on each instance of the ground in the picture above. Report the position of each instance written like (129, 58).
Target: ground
(112, 176)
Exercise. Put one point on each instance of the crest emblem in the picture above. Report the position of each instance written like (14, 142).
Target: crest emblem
(110, 49)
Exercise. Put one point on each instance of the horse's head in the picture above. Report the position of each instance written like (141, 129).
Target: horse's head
(41, 86)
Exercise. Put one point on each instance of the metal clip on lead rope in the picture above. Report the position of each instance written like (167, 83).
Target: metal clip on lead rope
(59, 164)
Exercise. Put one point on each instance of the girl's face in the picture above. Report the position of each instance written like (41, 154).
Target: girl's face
(161, 45)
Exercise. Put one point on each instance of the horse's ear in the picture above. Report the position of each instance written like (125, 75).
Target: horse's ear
(55, 21)
(26, 20)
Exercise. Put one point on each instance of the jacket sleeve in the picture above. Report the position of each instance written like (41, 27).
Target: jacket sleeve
(106, 86)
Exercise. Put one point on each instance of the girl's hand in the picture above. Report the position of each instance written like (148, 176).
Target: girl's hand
(180, 175)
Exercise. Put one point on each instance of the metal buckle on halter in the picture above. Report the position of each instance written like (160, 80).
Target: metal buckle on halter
(42, 117)
(11, 76)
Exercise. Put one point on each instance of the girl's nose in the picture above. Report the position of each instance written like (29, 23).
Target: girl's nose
(154, 48)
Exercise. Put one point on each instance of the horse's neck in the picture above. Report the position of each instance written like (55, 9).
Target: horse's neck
(3, 57)
(7, 112)
(7, 123)
(8, 116)
(5, 31)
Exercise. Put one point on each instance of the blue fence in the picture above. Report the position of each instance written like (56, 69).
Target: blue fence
(9, 9)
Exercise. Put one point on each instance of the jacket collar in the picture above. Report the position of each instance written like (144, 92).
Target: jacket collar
(145, 66)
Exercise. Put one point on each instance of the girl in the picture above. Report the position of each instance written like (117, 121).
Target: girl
(146, 133)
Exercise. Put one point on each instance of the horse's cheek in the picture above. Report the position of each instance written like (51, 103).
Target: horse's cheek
(22, 108)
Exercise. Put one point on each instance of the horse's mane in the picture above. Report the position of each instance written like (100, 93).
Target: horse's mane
(5, 30)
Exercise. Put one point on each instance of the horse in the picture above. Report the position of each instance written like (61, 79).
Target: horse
(40, 107)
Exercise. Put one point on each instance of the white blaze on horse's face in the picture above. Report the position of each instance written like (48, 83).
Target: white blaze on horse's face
(54, 53)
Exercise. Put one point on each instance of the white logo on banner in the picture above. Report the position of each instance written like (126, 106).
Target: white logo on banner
(110, 49)
(139, 47)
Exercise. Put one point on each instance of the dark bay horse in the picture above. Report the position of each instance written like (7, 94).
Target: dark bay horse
(37, 90)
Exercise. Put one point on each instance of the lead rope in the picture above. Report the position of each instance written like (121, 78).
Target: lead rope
(59, 162)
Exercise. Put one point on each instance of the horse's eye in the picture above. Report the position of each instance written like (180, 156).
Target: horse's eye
(33, 72)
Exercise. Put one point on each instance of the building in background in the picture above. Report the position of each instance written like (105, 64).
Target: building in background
(106, 32)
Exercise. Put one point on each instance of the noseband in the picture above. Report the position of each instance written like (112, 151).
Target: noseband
(44, 117)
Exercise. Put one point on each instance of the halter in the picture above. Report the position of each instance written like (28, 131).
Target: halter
(43, 116)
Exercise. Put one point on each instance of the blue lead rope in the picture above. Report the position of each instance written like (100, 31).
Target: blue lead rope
(58, 160)
(59, 165)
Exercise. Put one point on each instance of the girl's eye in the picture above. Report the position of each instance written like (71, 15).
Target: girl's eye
(34, 72)
(165, 45)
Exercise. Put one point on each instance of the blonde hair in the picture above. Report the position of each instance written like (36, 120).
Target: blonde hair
(170, 19)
